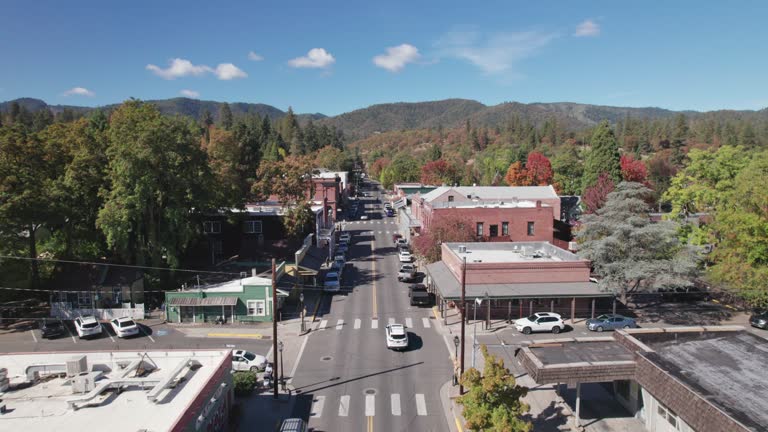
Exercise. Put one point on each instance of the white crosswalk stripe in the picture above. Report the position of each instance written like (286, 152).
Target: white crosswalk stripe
(323, 323)
(357, 323)
(391, 321)
(339, 324)
(317, 407)
(426, 323)
(344, 406)
(370, 405)
(408, 323)
(395, 404)
(374, 324)
(421, 405)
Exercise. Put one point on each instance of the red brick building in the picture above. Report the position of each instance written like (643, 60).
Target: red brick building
(516, 280)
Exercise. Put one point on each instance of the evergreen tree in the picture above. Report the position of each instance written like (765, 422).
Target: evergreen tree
(747, 137)
(42, 119)
(603, 157)
(225, 116)
(434, 152)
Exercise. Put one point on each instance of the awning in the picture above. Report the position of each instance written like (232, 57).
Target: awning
(208, 301)
(450, 288)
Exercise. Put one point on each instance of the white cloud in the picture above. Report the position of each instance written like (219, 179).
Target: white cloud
(228, 71)
(315, 58)
(79, 91)
(587, 28)
(255, 57)
(178, 68)
(496, 53)
(397, 57)
(190, 93)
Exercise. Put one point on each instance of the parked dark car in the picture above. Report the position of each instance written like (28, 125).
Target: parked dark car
(759, 320)
(610, 322)
(52, 329)
(419, 295)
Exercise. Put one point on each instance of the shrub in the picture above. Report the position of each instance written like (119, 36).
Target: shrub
(244, 382)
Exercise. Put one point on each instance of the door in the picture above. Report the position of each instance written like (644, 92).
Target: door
(494, 231)
(238, 363)
(616, 323)
(186, 314)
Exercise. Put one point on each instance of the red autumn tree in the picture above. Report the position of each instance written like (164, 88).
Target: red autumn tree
(595, 196)
(539, 169)
(378, 165)
(517, 175)
(438, 172)
(448, 227)
(633, 170)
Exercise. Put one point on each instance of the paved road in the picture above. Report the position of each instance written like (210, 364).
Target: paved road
(348, 378)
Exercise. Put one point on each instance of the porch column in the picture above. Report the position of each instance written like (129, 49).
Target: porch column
(509, 310)
(530, 307)
(614, 305)
(573, 310)
(576, 418)
(521, 308)
(488, 319)
(593, 308)
(551, 305)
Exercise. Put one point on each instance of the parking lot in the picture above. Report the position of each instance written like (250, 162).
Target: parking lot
(25, 336)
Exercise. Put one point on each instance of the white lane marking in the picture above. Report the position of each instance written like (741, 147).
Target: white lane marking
(68, 332)
(426, 323)
(317, 407)
(408, 323)
(370, 405)
(357, 323)
(323, 323)
(344, 406)
(103, 327)
(146, 334)
(298, 358)
(421, 405)
(33, 335)
(396, 404)
(374, 323)
(391, 321)
(340, 325)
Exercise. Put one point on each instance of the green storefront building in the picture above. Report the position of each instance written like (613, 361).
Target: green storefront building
(241, 300)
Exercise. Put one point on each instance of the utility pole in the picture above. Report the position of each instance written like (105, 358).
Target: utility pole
(274, 327)
(463, 314)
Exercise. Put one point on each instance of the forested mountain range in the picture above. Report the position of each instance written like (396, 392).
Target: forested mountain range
(449, 113)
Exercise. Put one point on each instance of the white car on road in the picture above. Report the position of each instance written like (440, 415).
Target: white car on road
(124, 327)
(397, 337)
(87, 326)
(247, 361)
(404, 256)
(540, 322)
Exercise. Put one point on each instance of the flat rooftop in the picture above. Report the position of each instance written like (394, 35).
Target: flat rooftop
(726, 368)
(44, 407)
(512, 252)
(581, 352)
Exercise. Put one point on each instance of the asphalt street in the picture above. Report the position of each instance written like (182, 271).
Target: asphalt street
(347, 379)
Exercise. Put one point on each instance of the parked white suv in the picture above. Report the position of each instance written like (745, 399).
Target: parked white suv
(397, 337)
(404, 256)
(124, 327)
(87, 326)
(540, 322)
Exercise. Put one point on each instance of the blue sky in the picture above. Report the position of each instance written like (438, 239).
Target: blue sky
(333, 56)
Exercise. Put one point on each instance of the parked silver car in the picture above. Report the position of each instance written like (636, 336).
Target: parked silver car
(610, 322)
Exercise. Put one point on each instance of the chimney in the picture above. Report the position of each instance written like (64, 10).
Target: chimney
(253, 272)
(538, 204)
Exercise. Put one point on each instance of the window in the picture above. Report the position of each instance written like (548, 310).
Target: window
(505, 228)
(212, 227)
(450, 198)
(257, 308)
(493, 231)
(530, 228)
(83, 298)
(252, 227)
(667, 415)
(479, 229)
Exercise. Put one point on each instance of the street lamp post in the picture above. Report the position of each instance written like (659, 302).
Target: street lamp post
(282, 369)
(301, 300)
(456, 342)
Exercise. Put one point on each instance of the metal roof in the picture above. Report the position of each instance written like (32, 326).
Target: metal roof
(208, 301)
(450, 288)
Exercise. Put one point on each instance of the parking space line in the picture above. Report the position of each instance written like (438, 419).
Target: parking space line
(33, 335)
(146, 334)
(68, 332)
(107, 331)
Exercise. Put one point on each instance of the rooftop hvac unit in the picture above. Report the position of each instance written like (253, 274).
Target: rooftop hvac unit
(77, 365)
(83, 383)
(462, 249)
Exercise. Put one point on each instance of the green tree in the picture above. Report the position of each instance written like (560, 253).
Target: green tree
(290, 180)
(159, 179)
(493, 399)
(230, 189)
(628, 251)
(568, 171)
(603, 156)
(434, 152)
(225, 116)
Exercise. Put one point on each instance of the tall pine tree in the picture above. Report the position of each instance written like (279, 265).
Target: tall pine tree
(604, 156)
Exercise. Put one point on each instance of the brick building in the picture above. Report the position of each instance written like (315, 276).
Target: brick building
(516, 280)
(688, 379)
